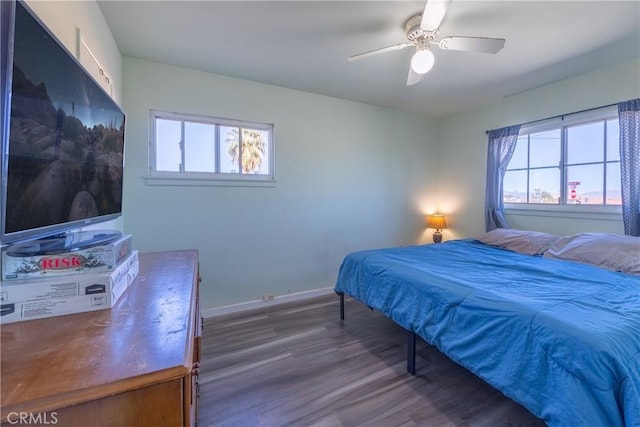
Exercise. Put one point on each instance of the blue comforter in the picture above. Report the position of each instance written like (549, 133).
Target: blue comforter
(559, 337)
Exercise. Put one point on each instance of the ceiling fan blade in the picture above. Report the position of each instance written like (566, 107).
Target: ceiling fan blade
(434, 11)
(379, 51)
(413, 77)
(472, 44)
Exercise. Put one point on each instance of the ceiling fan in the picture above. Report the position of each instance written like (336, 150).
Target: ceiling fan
(422, 32)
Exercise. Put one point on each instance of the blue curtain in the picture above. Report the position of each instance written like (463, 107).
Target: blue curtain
(502, 144)
(629, 118)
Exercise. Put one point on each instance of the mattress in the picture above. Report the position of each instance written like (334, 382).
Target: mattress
(561, 338)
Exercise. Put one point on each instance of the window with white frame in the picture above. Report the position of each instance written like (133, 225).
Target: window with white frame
(191, 146)
(574, 160)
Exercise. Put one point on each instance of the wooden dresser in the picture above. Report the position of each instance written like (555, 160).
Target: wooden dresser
(133, 365)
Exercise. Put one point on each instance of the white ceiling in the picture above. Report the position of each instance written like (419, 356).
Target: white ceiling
(305, 45)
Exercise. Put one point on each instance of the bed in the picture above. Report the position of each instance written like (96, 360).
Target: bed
(560, 337)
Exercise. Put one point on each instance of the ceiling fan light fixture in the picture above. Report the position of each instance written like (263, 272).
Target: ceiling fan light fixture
(422, 61)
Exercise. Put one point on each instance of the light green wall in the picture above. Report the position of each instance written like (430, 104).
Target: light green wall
(349, 176)
(462, 149)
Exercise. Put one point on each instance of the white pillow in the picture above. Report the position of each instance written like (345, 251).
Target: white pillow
(522, 241)
(611, 251)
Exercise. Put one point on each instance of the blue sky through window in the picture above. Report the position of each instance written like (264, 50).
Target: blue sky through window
(591, 166)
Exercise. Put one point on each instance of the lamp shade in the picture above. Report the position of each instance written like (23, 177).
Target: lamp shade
(437, 222)
(422, 61)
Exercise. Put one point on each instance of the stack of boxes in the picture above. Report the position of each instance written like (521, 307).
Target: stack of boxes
(35, 287)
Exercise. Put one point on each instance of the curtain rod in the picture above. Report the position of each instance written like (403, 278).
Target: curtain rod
(563, 115)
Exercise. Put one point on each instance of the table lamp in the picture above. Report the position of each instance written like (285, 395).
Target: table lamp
(437, 222)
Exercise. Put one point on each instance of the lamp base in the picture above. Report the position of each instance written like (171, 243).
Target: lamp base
(437, 237)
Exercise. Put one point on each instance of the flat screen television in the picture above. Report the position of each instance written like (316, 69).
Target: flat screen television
(62, 136)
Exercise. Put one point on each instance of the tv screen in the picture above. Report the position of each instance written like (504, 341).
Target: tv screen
(63, 142)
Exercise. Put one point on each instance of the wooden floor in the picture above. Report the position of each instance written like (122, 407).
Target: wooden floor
(299, 365)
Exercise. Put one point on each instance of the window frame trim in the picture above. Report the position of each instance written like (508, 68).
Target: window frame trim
(203, 177)
(582, 212)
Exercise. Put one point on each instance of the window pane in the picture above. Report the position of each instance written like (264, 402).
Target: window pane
(199, 145)
(587, 181)
(255, 152)
(168, 154)
(613, 139)
(519, 159)
(585, 143)
(614, 196)
(229, 149)
(544, 148)
(515, 187)
(544, 186)
(193, 145)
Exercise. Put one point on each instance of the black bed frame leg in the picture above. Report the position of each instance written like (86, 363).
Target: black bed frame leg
(341, 305)
(411, 352)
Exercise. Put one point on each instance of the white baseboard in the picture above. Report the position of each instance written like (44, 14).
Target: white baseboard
(250, 305)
